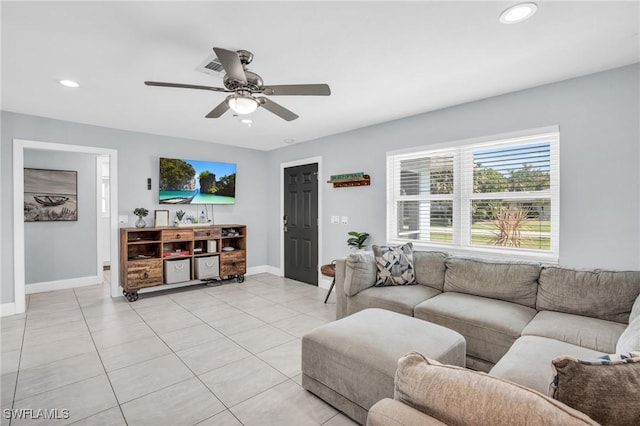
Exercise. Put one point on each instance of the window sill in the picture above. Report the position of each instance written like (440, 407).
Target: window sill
(485, 252)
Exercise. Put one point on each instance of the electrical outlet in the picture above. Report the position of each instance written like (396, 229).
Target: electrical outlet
(335, 220)
(344, 220)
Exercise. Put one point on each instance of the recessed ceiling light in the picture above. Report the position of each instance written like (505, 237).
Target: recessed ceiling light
(518, 13)
(69, 83)
(289, 141)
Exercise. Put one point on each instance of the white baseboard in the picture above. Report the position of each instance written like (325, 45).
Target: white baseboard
(61, 284)
(262, 269)
(325, 283)
(7, 309)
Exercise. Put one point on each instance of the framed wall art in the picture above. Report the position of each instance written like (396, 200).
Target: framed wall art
(161, 218)
(50, 195)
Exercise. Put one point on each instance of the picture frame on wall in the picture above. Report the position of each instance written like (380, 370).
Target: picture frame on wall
(50, 195)
(161, 218)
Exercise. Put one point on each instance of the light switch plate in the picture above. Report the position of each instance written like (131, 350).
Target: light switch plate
(335, 220)
(123, 219)
(344, 220)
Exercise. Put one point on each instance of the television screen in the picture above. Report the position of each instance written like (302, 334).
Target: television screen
(197, 182)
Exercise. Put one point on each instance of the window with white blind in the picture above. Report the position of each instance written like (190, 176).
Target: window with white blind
(496, 195)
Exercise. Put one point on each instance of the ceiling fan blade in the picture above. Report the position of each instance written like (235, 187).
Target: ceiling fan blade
(277, 109)
(231, 63)
(185, 86)
(219, 110)
(298, 89)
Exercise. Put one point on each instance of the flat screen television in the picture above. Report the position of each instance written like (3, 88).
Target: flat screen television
(196, 182)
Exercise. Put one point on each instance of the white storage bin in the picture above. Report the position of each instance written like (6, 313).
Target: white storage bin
(212, 246)
(207, 267)
(177, 270)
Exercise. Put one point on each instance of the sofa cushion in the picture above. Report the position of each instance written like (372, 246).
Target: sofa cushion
(509, 281)
(592, 333)
(528, 361)
(397, 299)
(635, 309)
(607, 295)
(607, 391)
(360, 272)
(490, 326)
(430, 267)
(395, 265)
(389, 412)
(629, 340)
(458, 396)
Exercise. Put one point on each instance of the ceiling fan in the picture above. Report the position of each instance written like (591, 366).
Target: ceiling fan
(245, 85)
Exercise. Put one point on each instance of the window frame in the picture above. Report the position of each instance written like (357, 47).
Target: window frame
(463, 195)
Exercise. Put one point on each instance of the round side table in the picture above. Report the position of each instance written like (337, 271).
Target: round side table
(329, 271)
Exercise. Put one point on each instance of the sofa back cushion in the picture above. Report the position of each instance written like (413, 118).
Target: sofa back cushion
(458, 396)
(509, 281)
(607, 295)
(360, 272)
(429, 267)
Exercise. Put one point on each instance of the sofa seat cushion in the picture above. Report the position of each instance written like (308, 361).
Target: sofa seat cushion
(528, 362)
(401, 299)
(490, 326)
(592, 333)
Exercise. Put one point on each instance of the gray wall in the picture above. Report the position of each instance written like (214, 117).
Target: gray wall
(599, 150)
(599, 164)
(138, 155)
(62, 250)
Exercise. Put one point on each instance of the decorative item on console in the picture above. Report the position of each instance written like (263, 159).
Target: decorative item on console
(141, 212)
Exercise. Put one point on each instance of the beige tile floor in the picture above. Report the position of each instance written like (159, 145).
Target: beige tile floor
(224, 355)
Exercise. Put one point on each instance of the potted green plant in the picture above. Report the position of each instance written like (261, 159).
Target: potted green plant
(141, 212)
(357, 239)
(180, 214)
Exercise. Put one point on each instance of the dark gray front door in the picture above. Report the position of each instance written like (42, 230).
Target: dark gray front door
(301, 223)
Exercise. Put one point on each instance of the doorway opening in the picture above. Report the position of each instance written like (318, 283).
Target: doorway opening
(19, 148)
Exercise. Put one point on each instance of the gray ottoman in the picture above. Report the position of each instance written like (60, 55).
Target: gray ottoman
(351, 363)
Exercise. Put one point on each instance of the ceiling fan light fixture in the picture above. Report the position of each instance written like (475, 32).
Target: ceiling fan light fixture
(242, 104)
(69, 83)
(518, 13)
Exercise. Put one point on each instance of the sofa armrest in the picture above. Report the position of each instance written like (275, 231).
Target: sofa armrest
(341, 297)
(389, 412)
(360, 272)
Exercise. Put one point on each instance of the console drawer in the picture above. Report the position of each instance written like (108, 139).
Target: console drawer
(206, 234)
(144, 273)
(177, 235)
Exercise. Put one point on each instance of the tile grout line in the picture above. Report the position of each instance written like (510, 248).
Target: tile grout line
(184, 363)
(101, 362)
(224, 303)
(24, 332)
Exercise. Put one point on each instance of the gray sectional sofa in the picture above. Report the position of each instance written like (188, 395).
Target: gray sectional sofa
(515, 316)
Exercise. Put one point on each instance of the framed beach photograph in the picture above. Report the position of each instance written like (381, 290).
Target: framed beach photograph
(50, 195)
(161, 218)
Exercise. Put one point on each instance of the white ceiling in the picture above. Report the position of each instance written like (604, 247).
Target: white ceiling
(382, 60)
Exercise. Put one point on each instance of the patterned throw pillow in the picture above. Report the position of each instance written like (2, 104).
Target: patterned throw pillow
(601, 388)
(395, 265)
